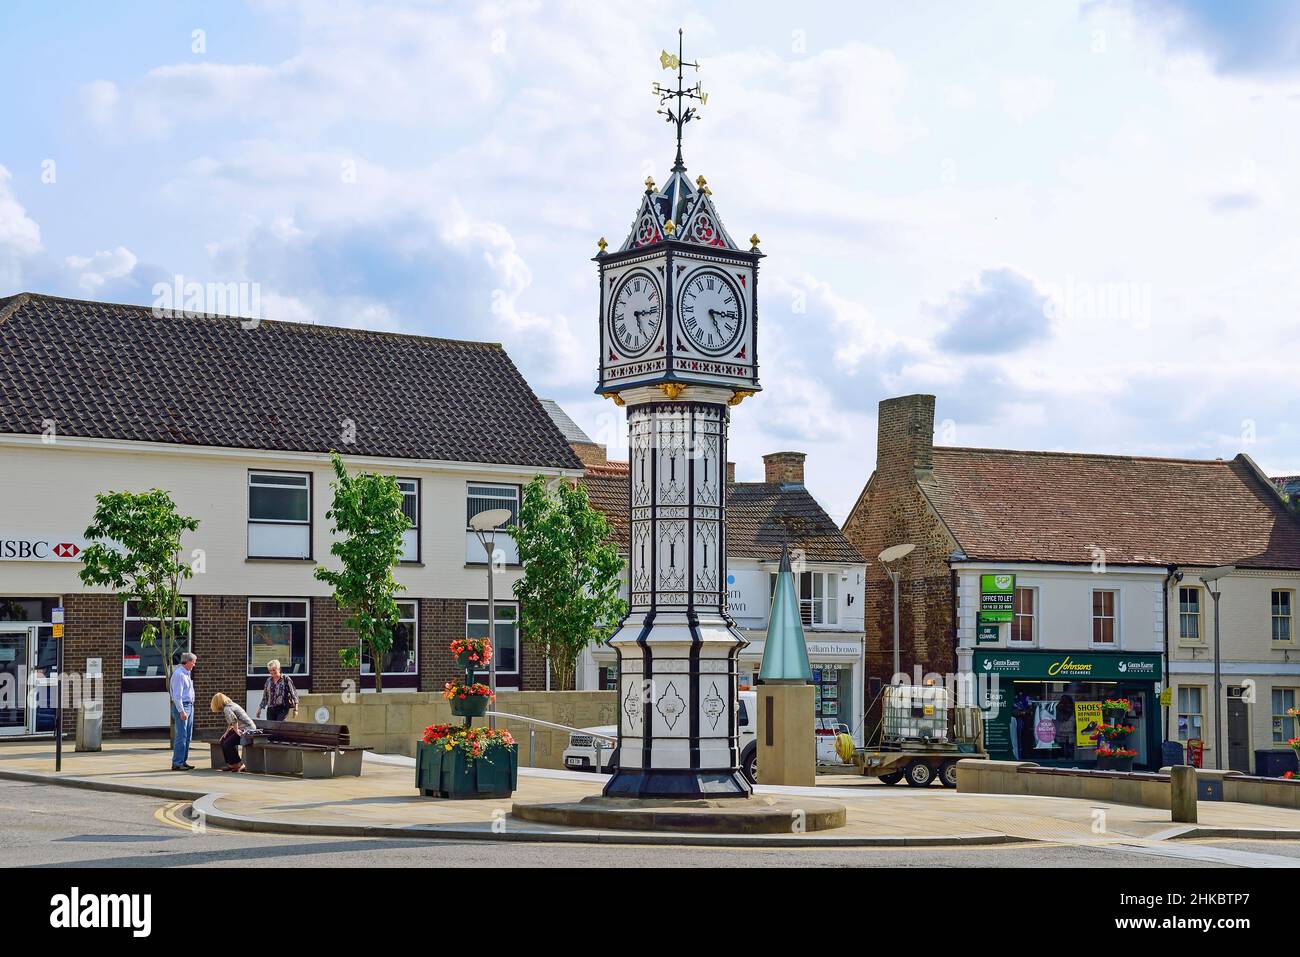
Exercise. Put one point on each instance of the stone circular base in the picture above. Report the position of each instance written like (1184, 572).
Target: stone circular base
(762, 814)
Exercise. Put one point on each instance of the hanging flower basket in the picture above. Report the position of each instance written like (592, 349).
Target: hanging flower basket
(472, 654)
(1114, 710)
(461, 763)
(468, 701)
(1115, 759)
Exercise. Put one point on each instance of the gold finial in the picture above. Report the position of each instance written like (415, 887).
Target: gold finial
(753, 242)
(602, 244)
(671, 389)
(649, 184)
(669, 228)
(702, 185)
(739, 396)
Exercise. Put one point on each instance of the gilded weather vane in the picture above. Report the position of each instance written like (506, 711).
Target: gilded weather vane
(678, 113)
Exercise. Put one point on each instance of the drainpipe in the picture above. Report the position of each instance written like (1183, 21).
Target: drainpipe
(1171, 574)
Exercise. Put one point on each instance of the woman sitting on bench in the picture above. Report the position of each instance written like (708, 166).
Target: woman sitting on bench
(237, 723)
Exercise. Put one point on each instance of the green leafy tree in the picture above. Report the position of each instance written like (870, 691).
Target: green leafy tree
(135, 549)
(568, 595)
(368, 526)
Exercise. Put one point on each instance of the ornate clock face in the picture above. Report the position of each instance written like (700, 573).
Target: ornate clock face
(636, 313)
(710, 311)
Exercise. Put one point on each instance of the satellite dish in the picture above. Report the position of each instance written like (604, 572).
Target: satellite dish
(895, 552)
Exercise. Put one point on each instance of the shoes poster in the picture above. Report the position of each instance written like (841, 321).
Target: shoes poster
(1087, 719)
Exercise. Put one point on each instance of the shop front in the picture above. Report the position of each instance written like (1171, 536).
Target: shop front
(1044, 706)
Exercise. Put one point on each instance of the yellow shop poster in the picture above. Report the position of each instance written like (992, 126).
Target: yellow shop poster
(1087, 718)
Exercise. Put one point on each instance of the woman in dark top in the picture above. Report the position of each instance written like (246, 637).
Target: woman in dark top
(238, 723)
(278, 694)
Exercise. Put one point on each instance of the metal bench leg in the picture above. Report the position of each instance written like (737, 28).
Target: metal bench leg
(316, 764)
(348, 763)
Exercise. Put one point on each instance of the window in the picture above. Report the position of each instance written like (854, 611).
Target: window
(279, 515)
(1284, 725)
(400, 659)
(146, 661)
(1282, 604)
(1189, 614)
(411, 509)
(1023, 621)
(277, 629)
(1190, 714)
(819, 601)
(481, 498)
(1103, 616)
(505, 638)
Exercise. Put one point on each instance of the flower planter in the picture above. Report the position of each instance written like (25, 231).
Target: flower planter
(463, 659)
(1115, 763)
(472, 706)
(1114, 716)
(449, 774)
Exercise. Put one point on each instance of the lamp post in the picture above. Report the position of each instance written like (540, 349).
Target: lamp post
(894, 553)
(1212, 577)
(485, 525)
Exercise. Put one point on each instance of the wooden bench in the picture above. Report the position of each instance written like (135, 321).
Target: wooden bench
(296, 747)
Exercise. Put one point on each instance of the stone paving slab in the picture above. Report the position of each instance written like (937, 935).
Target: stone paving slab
(384, 802)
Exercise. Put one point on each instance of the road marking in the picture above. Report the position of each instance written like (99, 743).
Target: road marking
(170, 814)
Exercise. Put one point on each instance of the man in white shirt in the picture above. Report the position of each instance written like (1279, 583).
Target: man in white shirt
(182, 702)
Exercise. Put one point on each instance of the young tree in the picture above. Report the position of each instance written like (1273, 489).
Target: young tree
(135, 549)
(568, 595)
(368, 525)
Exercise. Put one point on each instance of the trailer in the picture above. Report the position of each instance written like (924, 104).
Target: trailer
(920, 737)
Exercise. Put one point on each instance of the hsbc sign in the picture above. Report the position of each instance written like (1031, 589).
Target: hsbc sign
(37, 548)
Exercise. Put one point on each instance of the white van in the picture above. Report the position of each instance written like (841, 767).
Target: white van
(580, 755)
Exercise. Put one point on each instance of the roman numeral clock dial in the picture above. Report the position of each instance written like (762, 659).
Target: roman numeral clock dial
(711, 312)
(636, 314)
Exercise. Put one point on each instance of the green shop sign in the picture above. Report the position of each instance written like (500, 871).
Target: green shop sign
(1068, 666)
(997, 598)
(987, 634)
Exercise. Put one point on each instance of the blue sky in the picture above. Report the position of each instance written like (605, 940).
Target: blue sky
(1072, 222)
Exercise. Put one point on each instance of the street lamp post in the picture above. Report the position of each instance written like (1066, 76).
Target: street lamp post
(485, 525)
(894, 553)
(1212, 577)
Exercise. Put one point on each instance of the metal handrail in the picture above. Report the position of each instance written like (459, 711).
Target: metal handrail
(596, 736)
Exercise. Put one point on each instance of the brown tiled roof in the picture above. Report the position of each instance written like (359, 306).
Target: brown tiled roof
(761, 518)
(112, 371)
(1057, 506)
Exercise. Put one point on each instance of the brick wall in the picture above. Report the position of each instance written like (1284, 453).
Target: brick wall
(93, 629)
(329, 635)
(892, 511)
(221, 643)
(441, 620)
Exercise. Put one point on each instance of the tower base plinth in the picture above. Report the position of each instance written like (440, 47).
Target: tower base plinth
(672, 784)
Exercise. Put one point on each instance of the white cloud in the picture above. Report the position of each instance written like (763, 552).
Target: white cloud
(92, 272)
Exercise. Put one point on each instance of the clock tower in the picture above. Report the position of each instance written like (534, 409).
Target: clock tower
(678, 322)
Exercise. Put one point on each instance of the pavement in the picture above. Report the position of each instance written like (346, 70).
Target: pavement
(383, 802)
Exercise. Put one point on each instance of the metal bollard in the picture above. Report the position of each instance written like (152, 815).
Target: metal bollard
(532, 746)
(596, 742)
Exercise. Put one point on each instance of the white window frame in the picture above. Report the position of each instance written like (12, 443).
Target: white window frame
(1274, 618)
(492, 632)
(1033, 617)
(416, 493)
(306, 523)
(812, 604)
(1114, 617)
(248, 635)
(509, 500)
(1282, 716)
(1179, 711)
(1199, 615)
(188, 618)
(415, 631)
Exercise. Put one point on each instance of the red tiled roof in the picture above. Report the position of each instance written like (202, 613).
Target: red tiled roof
(1058, 506)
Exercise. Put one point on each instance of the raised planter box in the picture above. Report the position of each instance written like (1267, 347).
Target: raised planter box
(448, 774)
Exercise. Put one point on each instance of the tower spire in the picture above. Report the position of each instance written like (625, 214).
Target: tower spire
(678, 113)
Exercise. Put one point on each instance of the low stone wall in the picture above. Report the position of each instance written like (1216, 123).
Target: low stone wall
(392, 722)
(1145, 789)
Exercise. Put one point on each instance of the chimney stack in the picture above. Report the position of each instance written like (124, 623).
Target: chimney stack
(905, 436)
(783, 468)
(731, 473)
